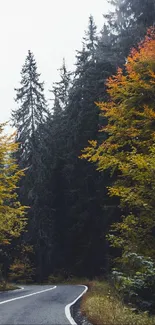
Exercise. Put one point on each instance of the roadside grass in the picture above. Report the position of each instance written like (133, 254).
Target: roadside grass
(102, 306)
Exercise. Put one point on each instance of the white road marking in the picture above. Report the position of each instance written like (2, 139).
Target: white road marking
(67, 308)
(20, 288)
(29, 295)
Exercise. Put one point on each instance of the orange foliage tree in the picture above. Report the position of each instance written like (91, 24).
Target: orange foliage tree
(129, 149)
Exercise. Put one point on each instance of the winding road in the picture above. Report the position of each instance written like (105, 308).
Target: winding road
(39, 304)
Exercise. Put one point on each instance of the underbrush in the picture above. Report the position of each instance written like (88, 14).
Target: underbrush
(102, 306)
(60, 279)
(5, 286)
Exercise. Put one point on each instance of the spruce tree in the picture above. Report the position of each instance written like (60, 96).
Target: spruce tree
(31, 111)
(87, 223)
(128, 23)
(51, 187)
(29, 119)
(61, 88)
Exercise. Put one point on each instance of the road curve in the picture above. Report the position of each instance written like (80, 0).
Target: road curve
(36, 304)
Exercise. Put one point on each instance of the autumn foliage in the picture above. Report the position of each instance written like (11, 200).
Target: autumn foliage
(129, 148)
(12, 213)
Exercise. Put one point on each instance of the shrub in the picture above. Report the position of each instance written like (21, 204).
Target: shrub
(21, 271)
(55, 279)
(137, 280)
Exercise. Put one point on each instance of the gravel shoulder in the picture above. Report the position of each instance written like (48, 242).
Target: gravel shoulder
(77, 315)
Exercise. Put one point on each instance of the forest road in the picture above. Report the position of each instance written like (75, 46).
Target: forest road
(39, 304)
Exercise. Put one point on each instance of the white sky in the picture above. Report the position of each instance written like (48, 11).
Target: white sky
(51, 29)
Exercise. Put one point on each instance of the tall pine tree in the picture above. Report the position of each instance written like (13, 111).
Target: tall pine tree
(86, 225)
(29, 119)
(31, 110)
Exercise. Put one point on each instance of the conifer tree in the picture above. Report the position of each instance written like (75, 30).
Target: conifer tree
(31, 111)
(84, 208)
(128, 24)
(29, 119)
(61, 88)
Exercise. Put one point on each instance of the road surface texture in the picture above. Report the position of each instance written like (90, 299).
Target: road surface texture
(39, 304)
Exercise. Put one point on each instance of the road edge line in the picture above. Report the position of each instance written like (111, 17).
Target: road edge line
(29, 295)
(19, 288)
(68, 307)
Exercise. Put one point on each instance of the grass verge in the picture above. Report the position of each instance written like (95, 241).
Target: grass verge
(102, 306)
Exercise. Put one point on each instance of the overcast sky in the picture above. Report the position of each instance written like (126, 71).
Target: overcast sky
(51, 29)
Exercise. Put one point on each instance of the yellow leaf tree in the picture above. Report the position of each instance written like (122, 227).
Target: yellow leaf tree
(12, 213)
(129, 148)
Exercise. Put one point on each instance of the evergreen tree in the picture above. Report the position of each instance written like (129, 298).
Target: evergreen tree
(29, 119)
(49, 202)
(128, 23)
(86, 220)
(31, 111)
(91, 38)
(61, 89)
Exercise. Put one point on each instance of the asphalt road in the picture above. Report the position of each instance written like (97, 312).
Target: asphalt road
(36, 304)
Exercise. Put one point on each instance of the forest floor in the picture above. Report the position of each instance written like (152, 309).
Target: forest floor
(102, 306)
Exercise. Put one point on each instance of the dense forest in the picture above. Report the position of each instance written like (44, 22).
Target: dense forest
(82, 165)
